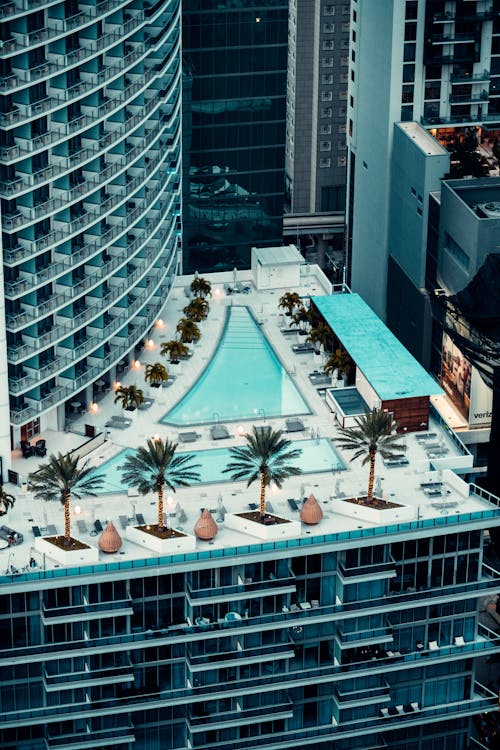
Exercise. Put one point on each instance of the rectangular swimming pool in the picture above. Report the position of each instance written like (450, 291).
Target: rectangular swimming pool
(318, 455)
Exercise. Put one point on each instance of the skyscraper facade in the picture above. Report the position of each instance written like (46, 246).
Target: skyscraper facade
(235, 63)
(90, 196)
(430, 62)
(316, 150)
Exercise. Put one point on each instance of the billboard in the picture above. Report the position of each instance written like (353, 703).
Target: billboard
(464, 385)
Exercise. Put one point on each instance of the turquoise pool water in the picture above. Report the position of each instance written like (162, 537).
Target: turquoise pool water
(317, 455)
(244, 380)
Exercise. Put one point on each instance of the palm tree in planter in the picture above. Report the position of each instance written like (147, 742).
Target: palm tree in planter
(130, 396)
(155, 467)
(201, 287)
(175, 350)
(288, 302)
(6, 501)
(374, 432)
(197, 309)
(320, 335)
(61, 478)
(266, 457)
(339, 360)
(188, 331)
(156, 374)
(302, 319)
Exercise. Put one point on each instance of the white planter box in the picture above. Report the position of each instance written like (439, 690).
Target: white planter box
(289, 530)
(66, 557)
(185, 543)
(384, 517)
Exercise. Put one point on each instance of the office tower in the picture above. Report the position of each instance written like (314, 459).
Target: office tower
(316, 150)
(90, 187)
(235, 62)
(433, 63)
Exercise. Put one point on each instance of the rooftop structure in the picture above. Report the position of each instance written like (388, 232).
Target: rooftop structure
(90, 181)
(333, 632)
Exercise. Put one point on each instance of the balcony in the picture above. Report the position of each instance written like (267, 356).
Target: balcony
(368, 637)
(470, 78)
(472, 97)
(243, 590)
(453, 38)
(201, 721)
(239, 656)
(86, 611)
(96, 738)
(85, 679)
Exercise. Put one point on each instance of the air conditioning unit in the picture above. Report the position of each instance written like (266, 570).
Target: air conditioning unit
(491, 210)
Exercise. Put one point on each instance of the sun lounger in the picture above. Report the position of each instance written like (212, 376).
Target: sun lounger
(422, 437)
(397, 461)
(219, 432)
(51, 530)
(252, 506)
(294, 425)
(123, 521)
(36, 531)
(82, 526)
(140, 519)
(293, 505)
(146, 404)
(288, 331)
(188, 437)
(269, 507)
(319, 378)
(98, 526)
(302, 348)
(119, 423)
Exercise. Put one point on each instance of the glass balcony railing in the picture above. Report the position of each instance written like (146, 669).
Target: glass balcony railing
(241, 590)
(271, 712)
(83, 611)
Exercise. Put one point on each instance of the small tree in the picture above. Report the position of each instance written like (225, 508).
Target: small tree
(375, 431)
(155, 467)
(264, 458)
(156, 374)
(130, 396)
(339, 360)
(61, 478)
(302, 318)
(175, 350)
(289, 301)
(6, 501)
(321, 335)
(188, 331)
(197, 309)
(201, 287)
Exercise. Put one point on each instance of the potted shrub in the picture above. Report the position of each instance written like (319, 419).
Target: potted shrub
(156, 374)
(175, 350)
(6, 501)
(188, 331)
(130, 396)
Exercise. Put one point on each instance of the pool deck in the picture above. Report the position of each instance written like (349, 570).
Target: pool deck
(400, 484)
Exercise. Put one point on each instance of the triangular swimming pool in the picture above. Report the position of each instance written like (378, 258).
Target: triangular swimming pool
(244, 380)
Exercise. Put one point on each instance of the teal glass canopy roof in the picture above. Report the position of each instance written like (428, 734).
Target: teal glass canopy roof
(390, 369)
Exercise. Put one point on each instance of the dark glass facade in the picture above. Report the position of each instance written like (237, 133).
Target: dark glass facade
(235, 56)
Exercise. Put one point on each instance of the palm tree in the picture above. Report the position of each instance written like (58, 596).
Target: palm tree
(339, 360)
(289, 301)
(188, 331)
(130, 396)
(155, 467)
(6, 501)
(264, 458)
(156, 374)
(321, 334)
(197, 309)
(201, 287)
(60, 478)
(302, 318)
(175, 350)
(375, 431)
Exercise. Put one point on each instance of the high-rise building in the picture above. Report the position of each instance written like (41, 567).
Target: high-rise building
(316, 150)
(90, 196)
(235, 58)
(431, 62)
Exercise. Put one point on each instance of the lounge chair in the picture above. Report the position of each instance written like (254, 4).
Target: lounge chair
(40, 448)
(140, 519)
(188, 437)
(293, 505)
(51, 529)
(319, 378)
(252, 506)
(303, 348)
(219, 432)
(123, 521)
(98, 526)
(294, 425)
(82, 527)
(36, 531)
(146, 404)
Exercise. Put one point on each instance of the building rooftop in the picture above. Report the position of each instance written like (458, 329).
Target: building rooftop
(431, 495)
(389, 368)
(422, 138)
(277, 256)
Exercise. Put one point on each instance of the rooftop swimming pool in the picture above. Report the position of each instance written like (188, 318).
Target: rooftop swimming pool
(244, 380)
(318, 455)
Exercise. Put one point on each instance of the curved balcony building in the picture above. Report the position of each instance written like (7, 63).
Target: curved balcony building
(90, 98)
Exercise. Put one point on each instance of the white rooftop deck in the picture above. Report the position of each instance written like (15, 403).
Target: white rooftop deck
(399, 484)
